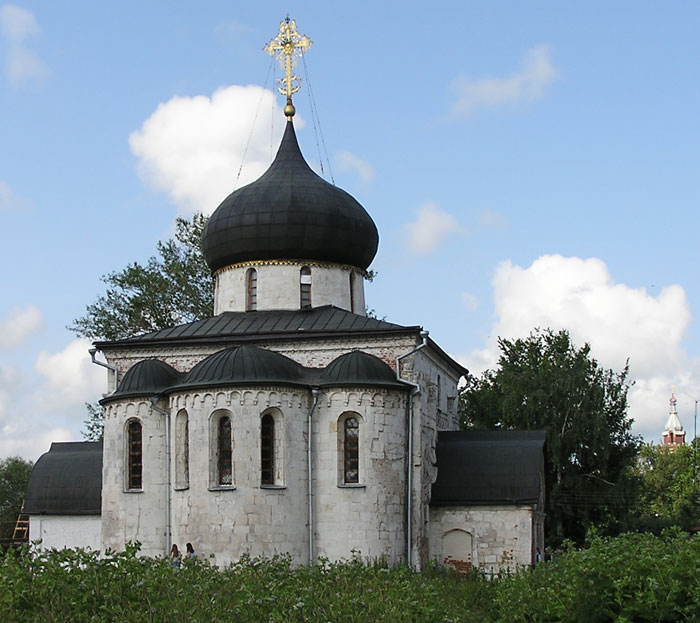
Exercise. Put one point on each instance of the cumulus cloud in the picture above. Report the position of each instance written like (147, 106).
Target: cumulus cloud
(192, 147)
(21, 62)
(619, 322)
(350, 162)
(19, 324)
(70, 379)
(429, 230)
(528, 84)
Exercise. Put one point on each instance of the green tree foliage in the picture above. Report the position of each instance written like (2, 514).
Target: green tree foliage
(95, 423)
(172, 288)
(14, 476)
(668, 491)
(633, 577)
(544, 382)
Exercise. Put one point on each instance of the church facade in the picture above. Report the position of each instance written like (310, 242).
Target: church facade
(290, 422)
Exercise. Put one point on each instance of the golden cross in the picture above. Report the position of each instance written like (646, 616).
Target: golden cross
(288, 45)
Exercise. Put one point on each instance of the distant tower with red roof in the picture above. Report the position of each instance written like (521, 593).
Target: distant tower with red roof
(674, 435)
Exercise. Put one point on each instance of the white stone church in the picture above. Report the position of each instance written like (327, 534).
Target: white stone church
(290, 422)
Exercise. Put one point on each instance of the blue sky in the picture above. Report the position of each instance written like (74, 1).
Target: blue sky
(527, 164)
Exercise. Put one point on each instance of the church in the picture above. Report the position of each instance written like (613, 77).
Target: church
(290, 422)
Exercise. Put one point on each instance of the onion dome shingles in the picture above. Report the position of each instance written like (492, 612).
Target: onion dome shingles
(244, 365)
(290, 213)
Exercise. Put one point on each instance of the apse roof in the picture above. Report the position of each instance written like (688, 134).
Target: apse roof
(66, 480)
(289, 213)
(325, 321)
(244, 365)
(147, 377)
(358, 368)
(488, 467)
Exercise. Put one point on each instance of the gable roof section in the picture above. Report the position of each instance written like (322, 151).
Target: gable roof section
(488, 467)
(325, 321)
(66, 480)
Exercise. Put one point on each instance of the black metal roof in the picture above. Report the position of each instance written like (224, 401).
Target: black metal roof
(147, 377)
(325, 321)
(66, 480)
(357, 368)
(244, 365)
(488, 467)
(289, 213)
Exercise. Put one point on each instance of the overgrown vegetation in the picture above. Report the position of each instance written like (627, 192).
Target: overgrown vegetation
(79, 586)
(634, 577)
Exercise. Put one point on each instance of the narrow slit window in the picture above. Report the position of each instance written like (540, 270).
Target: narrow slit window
(225, 455)
(305, 287)
(135, 467)
(251, 299)
(351, 451)
(267, 450)
(352, 292)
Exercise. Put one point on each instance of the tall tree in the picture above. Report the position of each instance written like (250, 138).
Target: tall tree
(172, 288)
(14, 477)
(669, 488)
(545, 382)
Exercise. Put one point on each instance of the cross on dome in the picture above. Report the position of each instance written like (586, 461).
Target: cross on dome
(288, 46)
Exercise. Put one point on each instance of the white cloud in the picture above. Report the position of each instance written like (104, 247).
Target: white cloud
(350, 162)
(70, 377)
(21, 63)
(469, 301)
(19, 324)
(618, 321)
(192, 147)
(431, 227)
(526, 85)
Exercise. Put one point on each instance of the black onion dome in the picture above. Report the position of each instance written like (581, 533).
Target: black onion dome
(289, 213)
(243, 365)
(358, 368)
(145, 378)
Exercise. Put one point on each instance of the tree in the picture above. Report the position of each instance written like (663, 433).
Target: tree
(544, 382)
(14, 477)
(668, 489)
(95, 423)
(172, 288)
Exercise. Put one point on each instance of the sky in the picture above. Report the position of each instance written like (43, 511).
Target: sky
(528, 165)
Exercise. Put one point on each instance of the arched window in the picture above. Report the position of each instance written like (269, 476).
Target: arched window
(135, 455)
(305, 287)
(349, 449)
(251, 291)
(182, 450)
(267, 450)
(225, 463)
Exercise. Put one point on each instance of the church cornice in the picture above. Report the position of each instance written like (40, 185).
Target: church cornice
(300, 263)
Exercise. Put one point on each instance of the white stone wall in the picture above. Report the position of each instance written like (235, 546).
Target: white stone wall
(61, 531)
(134, 515)
(278, 286)
(501, 536)
(223, 523)
(365, 519)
